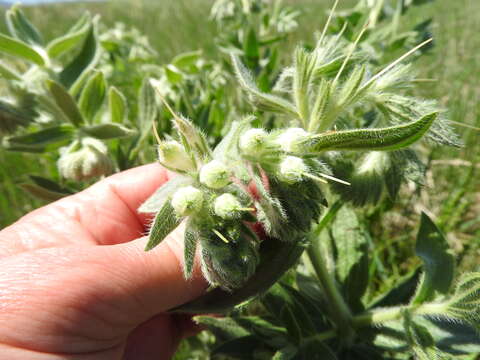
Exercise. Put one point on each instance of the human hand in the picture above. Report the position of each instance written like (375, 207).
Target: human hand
(75, 282)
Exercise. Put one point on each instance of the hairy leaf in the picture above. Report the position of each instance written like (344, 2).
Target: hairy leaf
(264, 101)
(70, 40)
(84, 61)
(65, 102)
(108, 131)
(92, 96)
(20, 28)
(117, 104)
(43, 140)
(21, 50)
(383, 139)
(164, 223)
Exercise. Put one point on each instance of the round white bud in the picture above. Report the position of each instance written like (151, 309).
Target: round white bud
(290, 139)
(292, 169)
(214, 174)
(187, 200)
(227, 207)
(173, 155)
(253, 141)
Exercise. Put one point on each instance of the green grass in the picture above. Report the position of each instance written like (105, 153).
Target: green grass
(453, 190)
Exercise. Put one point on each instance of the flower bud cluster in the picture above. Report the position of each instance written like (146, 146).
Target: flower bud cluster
(84, 159)
(172, 155)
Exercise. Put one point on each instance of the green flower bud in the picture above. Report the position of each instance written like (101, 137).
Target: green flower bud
(290, 139)
(292, 169)
(227, 207)
(187, 201)
(84, 159)
(215, 175)
(252, 142)
(173, 155)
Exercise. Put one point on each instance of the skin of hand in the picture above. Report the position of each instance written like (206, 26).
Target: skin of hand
(76, 283)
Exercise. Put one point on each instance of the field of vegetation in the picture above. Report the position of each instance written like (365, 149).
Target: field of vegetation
(448, 71)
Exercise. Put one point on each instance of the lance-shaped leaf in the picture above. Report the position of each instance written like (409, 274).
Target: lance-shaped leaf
(191, 238)
(383, 139)
(20, 49)
(262, 100)
(86, 59)
(45, 189)
(44, 140)
(186, 61)
(65, 102)
(71, 39)
(117, 105)
(438, 261)
(228, 147)
(92, 96)
(465, 303)
(108, 131)
(20, 28)
(147, 107)
(225, 328)
(164, 223)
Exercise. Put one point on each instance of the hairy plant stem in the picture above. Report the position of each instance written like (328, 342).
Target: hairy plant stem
(380, 316)
(339, 310)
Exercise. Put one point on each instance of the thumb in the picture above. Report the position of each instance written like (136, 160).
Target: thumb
(156, 277)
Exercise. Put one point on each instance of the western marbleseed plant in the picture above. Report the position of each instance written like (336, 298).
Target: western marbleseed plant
(258, 187)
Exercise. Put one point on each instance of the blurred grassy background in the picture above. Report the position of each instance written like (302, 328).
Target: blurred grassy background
(453, 187)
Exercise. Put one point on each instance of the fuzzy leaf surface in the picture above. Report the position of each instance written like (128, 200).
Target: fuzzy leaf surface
(92, 96)
(382, 139)
(117, 104)
(20, 50)
(65, 102)
(108, 131)
(164, 223)
(43, 140)
(21, 28)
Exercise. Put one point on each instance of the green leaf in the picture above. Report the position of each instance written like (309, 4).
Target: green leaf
(438, 261)
(21, 28)
(382, 139)
(45, 189)
(148, 109)
(108, 131)
(164, 223)
(163, 194)
(20, 49)
(351, 243)
(400, 293)
(173, 74)
(12, 117)
(251, 47)
(191, 238)
(70, 40)
(44, 140)
(262, 100)
(186, 61)
(85, 60)
(65, 102)
(269, 333)
(465, 303)
(117, 105)
(225, 328)
(92, 96)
